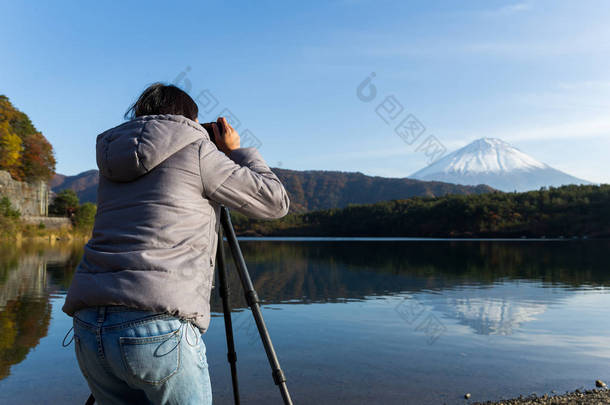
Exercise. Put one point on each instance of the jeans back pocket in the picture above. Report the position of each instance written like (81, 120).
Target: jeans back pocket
(153, 359)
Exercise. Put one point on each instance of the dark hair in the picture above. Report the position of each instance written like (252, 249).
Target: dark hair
(159, 98)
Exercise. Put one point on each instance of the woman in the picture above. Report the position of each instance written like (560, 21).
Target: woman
(140, 296)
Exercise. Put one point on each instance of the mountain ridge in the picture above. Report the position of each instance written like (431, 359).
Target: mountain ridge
(311, 190)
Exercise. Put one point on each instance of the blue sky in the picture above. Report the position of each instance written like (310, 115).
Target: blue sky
(535, 74)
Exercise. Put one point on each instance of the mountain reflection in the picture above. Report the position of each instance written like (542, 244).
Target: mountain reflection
(492, 287)
(500, 310)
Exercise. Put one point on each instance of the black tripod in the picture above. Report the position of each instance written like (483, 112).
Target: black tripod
(253, 303)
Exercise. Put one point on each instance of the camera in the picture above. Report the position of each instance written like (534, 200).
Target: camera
(209, 127)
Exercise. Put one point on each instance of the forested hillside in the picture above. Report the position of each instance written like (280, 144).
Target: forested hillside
(318, 189)
(569, 211)
(84, 184)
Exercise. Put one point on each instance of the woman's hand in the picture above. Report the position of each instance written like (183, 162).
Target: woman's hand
(227, 138)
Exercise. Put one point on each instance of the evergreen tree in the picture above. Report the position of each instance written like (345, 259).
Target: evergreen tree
(65, 203)
(84, 217)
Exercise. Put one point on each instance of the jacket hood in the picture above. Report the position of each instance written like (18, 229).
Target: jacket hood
(134, 148)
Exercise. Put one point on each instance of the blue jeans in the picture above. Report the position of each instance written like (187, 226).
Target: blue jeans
(131, 356)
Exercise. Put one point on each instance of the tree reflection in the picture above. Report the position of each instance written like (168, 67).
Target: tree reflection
(333, 271)
(25, 291)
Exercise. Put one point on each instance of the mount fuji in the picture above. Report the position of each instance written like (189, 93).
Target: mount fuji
(497, 164)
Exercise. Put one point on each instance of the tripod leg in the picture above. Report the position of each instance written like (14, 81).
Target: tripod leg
(224, 295)
(253, 303)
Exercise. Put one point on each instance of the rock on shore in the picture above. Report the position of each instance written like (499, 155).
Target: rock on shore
(590, 397)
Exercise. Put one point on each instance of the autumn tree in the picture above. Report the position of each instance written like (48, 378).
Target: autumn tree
(10, 149)
(37, 162)
(24, 152)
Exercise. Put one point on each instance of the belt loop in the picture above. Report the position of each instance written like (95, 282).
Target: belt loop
(101, 315)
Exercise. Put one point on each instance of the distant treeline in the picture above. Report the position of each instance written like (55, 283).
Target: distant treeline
(569, 211)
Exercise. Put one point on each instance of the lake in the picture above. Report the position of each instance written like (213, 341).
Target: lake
(355, 321)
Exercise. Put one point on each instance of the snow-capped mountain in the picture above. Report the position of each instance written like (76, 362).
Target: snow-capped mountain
(495, 163)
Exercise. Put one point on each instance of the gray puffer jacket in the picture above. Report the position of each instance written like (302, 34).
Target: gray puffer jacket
(154, 240)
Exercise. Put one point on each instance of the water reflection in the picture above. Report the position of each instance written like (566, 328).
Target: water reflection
(493, 288)
(308, 272)
(28, 278)
(500, 310)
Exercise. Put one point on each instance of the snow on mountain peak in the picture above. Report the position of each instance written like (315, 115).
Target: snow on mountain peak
(495, 163)
(485, 155)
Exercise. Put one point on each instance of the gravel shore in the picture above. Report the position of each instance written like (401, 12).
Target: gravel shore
(590, 397)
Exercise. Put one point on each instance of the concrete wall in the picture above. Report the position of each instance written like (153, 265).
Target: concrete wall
(49, 222)
(31, 199)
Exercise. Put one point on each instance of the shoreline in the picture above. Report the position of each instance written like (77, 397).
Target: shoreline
(595, 396)
(248, 237)
(50, 237)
